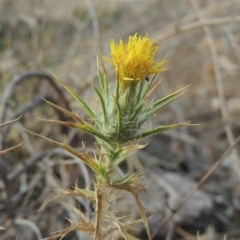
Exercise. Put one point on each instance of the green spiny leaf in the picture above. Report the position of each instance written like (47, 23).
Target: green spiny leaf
(86, 128)
(158, 105)
(137, 110)
(100, 77)
(102, 103)
(168, 97)
(105, 85)
(121, 153)
(70, 114)
(139, 107)
(147, 87)
(117, 90)
(119, 116)
(83, 156)
(139, 91)
(82, 103)
(158, 130)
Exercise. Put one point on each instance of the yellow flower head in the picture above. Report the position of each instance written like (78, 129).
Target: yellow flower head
(134, 60)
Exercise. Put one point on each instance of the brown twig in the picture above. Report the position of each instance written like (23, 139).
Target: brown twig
(3, 173)
(27, 164)
(27, 76)
(200, 183)
(29, 106)
(194, 25)
(7, 95)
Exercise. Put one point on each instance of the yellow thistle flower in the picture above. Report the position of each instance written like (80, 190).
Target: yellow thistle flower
(134, 60)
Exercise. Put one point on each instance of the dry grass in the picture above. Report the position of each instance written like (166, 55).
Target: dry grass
(201, 40)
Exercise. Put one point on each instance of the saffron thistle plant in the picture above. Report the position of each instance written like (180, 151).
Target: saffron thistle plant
(118, 127)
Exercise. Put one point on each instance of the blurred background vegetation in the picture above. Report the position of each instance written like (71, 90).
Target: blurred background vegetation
(201, 40)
